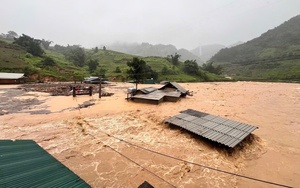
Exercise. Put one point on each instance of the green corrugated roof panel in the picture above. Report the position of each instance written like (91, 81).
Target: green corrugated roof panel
(23, 163)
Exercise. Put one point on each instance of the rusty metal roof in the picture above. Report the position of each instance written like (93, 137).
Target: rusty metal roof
(23, 163)
(215, 128)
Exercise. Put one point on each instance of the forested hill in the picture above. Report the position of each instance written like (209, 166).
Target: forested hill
(275, 54)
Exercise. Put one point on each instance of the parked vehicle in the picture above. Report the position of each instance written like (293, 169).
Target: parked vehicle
(95, 80)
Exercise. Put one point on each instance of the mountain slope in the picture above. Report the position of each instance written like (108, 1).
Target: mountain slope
(160, 50)
(11, 57)
(275, 55)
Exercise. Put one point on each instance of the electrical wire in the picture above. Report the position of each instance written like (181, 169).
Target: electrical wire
(134, 162)
(196, 164)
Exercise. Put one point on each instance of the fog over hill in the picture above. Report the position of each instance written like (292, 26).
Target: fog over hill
(160, 50)
(205, 52)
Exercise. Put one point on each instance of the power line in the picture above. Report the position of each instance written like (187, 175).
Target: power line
(196, 164)
(134, 162)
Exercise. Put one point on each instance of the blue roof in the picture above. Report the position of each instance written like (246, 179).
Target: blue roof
(23, 163)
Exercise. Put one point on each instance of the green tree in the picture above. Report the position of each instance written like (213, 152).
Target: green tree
(118, 70)
(30, 44)
(137, 68)
(190, 67)
(100, 72)
(164, 70)
(209, 67)
(46, 43)
(11, 35)
(48, 62)
(104, 48)
(93, 64)
(96, 50)
(77, 76)
(60, 48)
(76, 55)
(150, 73)
(174, 59)
(29, 70)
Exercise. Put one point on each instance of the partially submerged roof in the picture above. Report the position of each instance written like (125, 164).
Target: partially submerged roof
(175, 85)
(155, 95)
(5, 75)
(147, 90)
(215, 128)
(23, 163)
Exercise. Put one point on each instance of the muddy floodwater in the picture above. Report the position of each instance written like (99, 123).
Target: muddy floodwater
(89, 139)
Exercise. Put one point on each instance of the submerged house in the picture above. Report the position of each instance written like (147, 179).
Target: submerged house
(11, 78)
(171, 92)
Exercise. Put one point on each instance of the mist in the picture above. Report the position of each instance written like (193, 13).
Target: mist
(185, 24)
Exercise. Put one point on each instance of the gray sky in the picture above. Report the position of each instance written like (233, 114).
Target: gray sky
(183, 23)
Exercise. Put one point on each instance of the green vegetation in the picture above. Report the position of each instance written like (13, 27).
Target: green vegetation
(42, 62)
(30, 44)
(274, 56)
(11, 57)
(174, 59)
(209, 67)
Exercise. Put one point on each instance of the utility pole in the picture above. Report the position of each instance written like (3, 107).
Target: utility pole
(100, 88)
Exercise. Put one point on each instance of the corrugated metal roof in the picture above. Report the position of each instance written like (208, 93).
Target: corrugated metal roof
(215, 128)
(155, 95)
(179, 87)
(175, 85)
(23, 163)
(5, 75)
(148, 90)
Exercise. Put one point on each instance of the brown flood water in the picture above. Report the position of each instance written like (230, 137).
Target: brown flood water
(78, 138)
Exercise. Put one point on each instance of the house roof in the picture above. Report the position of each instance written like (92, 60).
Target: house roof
(147, 90)
(175, 85)
(155, 95)
(23, 163)
(215, 128)
(5, 75)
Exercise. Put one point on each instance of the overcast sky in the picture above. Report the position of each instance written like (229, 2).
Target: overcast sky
(183, 23)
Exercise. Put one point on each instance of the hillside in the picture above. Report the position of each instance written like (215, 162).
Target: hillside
(160, 50)
(14, 58)
(11, 57)
(111, 60)
(56, 65)
(275, 55)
